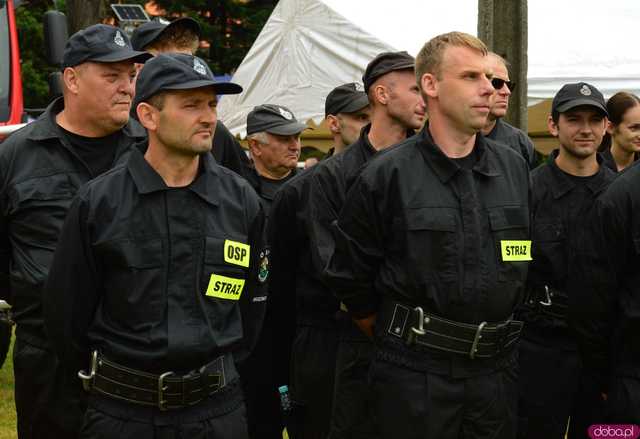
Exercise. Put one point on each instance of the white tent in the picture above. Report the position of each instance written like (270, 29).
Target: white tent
(308, 47)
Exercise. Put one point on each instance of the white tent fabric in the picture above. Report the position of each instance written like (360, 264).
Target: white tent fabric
(308, 47)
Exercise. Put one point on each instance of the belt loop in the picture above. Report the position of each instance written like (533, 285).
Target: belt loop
(161, 389)
(476, 340)
(89, 379)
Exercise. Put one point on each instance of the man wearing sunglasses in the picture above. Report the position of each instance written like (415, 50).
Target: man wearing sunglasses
(496, 128)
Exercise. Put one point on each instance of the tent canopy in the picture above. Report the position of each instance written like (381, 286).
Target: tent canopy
(308, 47)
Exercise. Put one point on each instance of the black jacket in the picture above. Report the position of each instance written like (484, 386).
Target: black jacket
(416, 228)
(154, 277)
(39, 175)
(606, 313)
(228, 152)
(561, 212)
(514, 138)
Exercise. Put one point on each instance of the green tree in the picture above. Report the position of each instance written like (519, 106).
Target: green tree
(230, 27)
(35, 69)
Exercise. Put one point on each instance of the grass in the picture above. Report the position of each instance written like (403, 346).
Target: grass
(7, 405)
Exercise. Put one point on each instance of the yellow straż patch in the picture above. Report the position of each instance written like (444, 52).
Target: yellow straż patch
(516, 250)
(236, 253)
(225, 287)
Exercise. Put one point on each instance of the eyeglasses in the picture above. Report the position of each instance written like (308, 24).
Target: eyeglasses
(498, 83)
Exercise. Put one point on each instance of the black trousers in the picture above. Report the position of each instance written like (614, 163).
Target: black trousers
(221, 416)
(261, 390)
(554, 389)
(352, 402)
(313, 361)
(412, 404)
(48, 405)
(623, 401)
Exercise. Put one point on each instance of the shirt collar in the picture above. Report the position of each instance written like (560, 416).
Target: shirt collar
(563, 184)
(147, 180)
(444, 167)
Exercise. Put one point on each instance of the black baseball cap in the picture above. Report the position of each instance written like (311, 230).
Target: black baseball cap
(177, 71)
(148, 32)
(576, 95)
(100, 43)
(274, 119)
(346, 98)
(384, 63)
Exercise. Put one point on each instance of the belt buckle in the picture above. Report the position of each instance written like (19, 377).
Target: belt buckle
(476, 340)
(413, 331)
(161, 389)
(88, 378)
(547, 301)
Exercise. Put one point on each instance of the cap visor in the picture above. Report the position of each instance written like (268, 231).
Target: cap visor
(581, 103)
(221, 88)
(288, 129)
(123, 55)
(357, 104)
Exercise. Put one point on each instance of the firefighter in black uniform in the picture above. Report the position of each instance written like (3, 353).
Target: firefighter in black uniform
(496, 128)
(346, 111)
(553, 387)
(273, 134)
(78, 137)
(306, 310)
(183, 36)
(397, 109)
(157, 288)
(605, 307)
(431, 254)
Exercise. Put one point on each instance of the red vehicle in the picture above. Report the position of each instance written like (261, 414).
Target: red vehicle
(11, 103)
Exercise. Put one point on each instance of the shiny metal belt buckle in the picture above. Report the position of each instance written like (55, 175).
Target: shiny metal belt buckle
(414, 332)
(547, 301)
(476, 340)
(88, 378)
(161, 388)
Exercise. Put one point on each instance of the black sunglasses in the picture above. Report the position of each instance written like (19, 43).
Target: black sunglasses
(499, 83)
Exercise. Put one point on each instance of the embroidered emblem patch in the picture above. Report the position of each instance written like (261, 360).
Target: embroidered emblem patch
(119, 39)
(263, 266)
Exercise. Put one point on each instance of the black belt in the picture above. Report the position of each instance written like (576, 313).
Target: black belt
(548, 301)
(165, 391)
(418, 328)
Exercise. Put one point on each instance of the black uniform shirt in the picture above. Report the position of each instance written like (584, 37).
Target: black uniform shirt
(40, 172)
(228, 152)
(607, 310)
(158, 278)
(561, 208)
(418, 229)
(514, 138)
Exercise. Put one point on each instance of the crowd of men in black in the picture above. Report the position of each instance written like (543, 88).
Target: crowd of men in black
(421, 281)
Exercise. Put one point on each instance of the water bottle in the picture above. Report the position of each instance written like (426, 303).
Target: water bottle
(285, 400)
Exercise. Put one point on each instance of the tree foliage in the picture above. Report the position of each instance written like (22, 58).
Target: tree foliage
(229, 26)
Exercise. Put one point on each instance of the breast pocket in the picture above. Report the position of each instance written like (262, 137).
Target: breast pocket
(224, 279)
(135, 282)
(431, 244)
(41, 201)
(549, 246)
(512, 243)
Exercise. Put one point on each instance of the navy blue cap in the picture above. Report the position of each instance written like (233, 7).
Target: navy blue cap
(577, 95)
(100, 43)
(346, 98)
(147, 33)
(384, 63)
(177, 71)
(274, 119)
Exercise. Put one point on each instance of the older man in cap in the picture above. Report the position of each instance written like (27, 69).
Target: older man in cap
(346, 111)
(306, 310)
(397, 109)
(273, 134)
(183, 36)
(157, 289)
(78, 137)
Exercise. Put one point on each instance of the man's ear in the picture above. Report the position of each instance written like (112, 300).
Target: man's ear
(333, 124)
(254, 147)
(70, 78)
(147, 115)
(552, 126)
(429, 85)
(381, 94)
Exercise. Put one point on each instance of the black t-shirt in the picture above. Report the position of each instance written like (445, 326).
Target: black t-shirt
(468, 161)
(96, 152)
